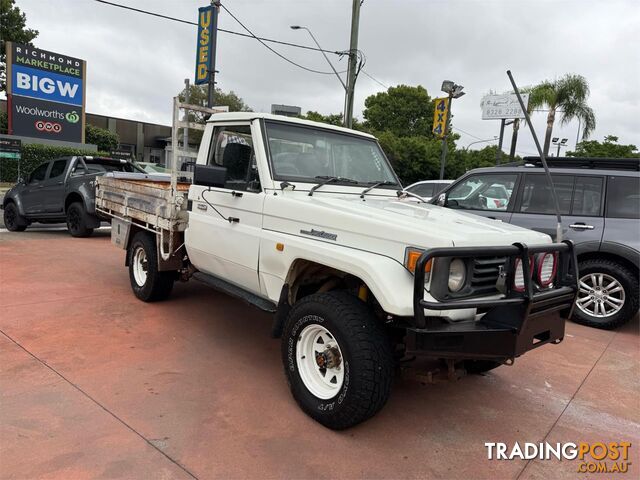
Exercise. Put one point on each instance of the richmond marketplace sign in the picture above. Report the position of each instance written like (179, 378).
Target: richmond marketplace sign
(45, 93)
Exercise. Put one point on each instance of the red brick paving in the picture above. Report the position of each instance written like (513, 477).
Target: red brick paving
(96, 384)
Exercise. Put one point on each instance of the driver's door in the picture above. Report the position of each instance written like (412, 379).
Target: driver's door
(225, 222)
(490, 195)
(32, 194)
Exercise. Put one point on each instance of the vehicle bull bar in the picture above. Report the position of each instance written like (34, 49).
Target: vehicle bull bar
(511, 325)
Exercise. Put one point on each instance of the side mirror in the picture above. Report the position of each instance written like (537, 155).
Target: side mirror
(442, 199)
(210, 175)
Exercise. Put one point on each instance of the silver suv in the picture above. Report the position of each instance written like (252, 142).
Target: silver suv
(600, 205)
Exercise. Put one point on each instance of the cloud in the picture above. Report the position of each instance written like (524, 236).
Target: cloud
(137, 63)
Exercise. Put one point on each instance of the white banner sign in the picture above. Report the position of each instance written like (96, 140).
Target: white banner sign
(497, 107)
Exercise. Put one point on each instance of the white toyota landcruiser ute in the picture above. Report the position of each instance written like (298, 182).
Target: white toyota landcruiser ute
(309, 221)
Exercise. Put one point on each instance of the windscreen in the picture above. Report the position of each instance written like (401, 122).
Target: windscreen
(305, 154)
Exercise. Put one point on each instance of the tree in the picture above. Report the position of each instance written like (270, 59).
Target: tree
(106, 140)
(567, 96)
(609, 149)
(12, 28)
(403, 110)
(332, 119)
(413, 158)
(198, 95)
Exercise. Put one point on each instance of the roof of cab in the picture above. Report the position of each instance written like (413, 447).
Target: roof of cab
(248, 116)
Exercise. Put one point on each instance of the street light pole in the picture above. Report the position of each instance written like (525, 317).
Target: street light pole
(353, 65)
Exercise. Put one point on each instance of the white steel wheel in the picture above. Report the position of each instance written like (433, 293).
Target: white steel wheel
(140, 266)
(319, 361)
(600, 295)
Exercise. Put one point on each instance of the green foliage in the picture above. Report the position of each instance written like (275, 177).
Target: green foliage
(35, 154)
(568, 96)
(4, 123)
(332, 119)
(104, 139)
(403, 110)
(413, 158)
(198, 95)
(13, 29)
(610, 148)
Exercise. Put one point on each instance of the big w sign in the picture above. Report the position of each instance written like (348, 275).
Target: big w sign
(45, 88)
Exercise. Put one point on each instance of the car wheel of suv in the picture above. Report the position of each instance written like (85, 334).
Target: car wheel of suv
(337, 359)
(77, 220)
(607, 294)
(148, 283)
(13, 221)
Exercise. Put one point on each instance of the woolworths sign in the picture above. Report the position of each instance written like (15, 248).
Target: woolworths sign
(46, 94)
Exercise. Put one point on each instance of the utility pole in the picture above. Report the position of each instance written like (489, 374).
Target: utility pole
(353, 64)
(212, 62)
(185, 130)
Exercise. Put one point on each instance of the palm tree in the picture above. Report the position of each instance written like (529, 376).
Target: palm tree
(567, 96)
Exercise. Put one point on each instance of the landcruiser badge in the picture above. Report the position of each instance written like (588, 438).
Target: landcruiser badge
(321, 234)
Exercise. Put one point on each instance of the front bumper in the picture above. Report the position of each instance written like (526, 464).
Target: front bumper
(510, 326)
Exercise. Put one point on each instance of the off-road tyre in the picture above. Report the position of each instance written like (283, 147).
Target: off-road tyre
(13, 221)
(629, 282)
(475, 367)
(367, 358)
(157, 285)
(77, 221)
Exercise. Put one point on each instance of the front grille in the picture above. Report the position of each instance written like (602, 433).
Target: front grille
(484, 274)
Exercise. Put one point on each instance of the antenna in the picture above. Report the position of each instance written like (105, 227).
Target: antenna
(542, 158)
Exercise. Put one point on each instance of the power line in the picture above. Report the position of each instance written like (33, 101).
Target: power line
(271, 49)
(466, 133)
(374, 79)
(240, 34)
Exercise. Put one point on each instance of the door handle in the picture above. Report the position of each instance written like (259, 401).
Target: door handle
(581, 226)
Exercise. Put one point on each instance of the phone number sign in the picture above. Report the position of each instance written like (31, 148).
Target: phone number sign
(499, 107)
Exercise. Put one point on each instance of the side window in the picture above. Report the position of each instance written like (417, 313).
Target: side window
(424, 190)
(587, 197)
(483, 192)
(537, 197)
(623, 197)
(58, 168)
(39, 173)
(232, 148)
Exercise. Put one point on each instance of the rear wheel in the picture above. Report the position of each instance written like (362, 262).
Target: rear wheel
(147, 282)
(337, 359)
(607, 294)
(77, 220)
(13, 221)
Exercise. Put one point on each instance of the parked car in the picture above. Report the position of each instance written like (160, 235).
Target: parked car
(61, 190)
(304, 220)
(428, 188)
(600, 205)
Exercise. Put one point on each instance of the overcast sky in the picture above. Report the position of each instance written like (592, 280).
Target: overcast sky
(136, 63)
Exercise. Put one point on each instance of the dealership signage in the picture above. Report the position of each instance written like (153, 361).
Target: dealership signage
(205, 48)
(46, 93)
(499, 107)
(10, 148)
(441, 105)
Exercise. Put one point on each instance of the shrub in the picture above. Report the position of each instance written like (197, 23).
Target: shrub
(104, 139)
(33, 155)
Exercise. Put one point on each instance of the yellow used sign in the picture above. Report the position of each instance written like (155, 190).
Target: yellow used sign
(440, 116)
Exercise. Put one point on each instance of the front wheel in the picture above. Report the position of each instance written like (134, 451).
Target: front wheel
(337, 359)
(147, 282)
(13, 221)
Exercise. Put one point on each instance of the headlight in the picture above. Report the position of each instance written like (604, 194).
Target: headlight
(518, 276)
(457, 274)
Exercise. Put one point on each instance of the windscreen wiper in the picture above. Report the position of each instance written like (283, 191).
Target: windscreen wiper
(377, 184)
(327, 179)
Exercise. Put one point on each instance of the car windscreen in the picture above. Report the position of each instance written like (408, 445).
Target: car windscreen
(304, 154)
